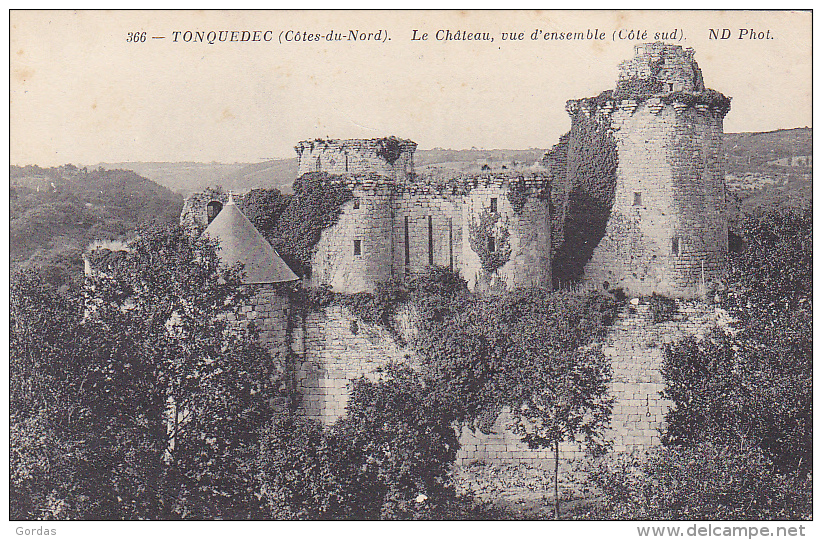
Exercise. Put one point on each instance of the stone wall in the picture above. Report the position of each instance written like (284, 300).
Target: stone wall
(269, 310)
(336, 347)
(392, 231)
(528, 236)
(433, 221)
(355, 253)
(634, 346)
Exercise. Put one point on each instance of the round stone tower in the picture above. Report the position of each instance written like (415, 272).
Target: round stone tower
(355, 254)
(506, 234)
(667, 230)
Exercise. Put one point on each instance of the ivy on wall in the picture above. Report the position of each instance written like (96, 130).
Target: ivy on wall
(293, 223)
(389, 149)
(378, 308)
(486, 232)
(591, 167)
(517, 195)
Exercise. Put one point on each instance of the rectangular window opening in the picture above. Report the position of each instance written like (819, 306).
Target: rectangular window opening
(356, 204)
(494, 205)
(637, 198)
(491, 245)
(357, 247)
(675, 245)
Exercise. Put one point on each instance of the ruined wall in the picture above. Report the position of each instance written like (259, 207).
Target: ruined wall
(335, 352)
(668, 220)
(634, 345)
(194, 216)
(672, 66)
(337, 347)
(433, 223)
(389, 157)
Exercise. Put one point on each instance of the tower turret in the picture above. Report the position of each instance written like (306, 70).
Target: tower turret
(658, 222)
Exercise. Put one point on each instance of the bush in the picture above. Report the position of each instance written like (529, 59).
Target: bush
(403, 445)
(663, 308)
(389, 458)
(300, 473)
(705, 482)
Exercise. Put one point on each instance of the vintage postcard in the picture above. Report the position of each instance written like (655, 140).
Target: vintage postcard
(414, 265)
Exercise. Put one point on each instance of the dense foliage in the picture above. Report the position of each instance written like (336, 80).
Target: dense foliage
(96, 379)
(388, 458)
(517, 196)
(528, 350)
(704, 482)
(293, 223)
(751, 387)
(739, 435)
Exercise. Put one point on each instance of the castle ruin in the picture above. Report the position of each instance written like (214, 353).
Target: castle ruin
(632, 198)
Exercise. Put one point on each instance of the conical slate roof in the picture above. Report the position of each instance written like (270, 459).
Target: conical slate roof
(241, 242)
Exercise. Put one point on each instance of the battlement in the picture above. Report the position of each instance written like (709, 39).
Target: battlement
(670, 67)
(388, 156)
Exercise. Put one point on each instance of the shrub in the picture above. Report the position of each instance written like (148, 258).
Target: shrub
(705, 482)
(749, 392)
(298, 468)
(663, 308)
(403, 445)
(389, 458)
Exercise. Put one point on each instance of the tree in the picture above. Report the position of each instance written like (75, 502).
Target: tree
(168, 349)
(528, 350)
(750, 386)
(46, 368)
(402, 444)
(160, 396)
(388, 458)
(743, 396)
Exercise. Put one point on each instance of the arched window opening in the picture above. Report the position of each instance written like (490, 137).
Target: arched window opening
(212, 209)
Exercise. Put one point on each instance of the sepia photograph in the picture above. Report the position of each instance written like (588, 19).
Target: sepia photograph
(412, 265)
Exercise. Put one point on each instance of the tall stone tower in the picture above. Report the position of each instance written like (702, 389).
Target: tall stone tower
(660, 132)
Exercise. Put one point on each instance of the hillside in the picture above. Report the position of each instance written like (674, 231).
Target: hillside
(771, 168)
(55, 213)
(188, 177)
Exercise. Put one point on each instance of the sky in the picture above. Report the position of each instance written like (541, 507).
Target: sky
(82, 93)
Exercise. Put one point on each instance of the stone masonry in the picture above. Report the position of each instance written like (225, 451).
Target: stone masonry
(667, 233)
(668, 228)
